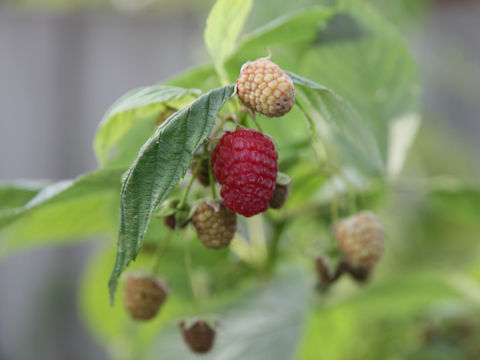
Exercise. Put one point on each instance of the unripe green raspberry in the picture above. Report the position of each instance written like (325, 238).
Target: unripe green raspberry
(215, 224)
(361, 238)
(262, 86)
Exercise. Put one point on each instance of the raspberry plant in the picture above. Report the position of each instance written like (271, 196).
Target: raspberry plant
(243, 178)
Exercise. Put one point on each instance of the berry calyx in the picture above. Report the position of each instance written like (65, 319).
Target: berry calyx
(361, 237)
(143, 296)
(281, 191)
(245, 163)
(264, 87)
(199, 336)
(215, 224)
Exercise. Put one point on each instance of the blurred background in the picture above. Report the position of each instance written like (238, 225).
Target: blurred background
(64, 62)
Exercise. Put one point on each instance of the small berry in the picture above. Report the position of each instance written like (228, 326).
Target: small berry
(199, 336)
(143, 297)
(202, 176)
(361, 238)
(215, 224)
(169, 221)
(245, 163)
(262, 86)
(281, 191)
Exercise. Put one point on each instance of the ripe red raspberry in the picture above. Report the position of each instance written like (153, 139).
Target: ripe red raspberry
(245, 163)
(361, 238)
(262, 86)
(143, 296)
(215, 224)
(198, 335)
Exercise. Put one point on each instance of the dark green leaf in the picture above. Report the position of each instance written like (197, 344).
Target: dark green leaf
(133, 106)
(161, 163)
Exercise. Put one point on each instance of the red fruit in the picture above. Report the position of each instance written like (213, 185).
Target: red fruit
(144, 296)
(245, 163)
(199, 336)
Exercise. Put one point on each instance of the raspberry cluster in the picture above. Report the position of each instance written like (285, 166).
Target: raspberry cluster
(245, 163)
(262, 86)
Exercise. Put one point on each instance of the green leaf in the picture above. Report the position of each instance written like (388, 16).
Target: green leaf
(15, 195)
(135, 105)
(62, 212)
(265, 323)
(203, 77)
(224, 24)
(287, 37)
(161, 163)
(333, 118)
(362, 57)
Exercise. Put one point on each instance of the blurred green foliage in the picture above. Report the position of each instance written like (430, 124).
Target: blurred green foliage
(424, 297)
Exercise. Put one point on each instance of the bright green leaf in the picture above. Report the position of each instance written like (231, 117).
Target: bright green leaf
(161, 163)
(224, 24)
(133, 106)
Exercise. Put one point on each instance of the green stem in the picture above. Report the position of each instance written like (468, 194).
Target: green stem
(161, 251)
(189, 269)
(189, 186)
(273, 248)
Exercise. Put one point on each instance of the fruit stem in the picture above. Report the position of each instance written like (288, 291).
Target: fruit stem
(189, 269)
(161, 251)
(278, 227)
(254, 118)
(189, 186)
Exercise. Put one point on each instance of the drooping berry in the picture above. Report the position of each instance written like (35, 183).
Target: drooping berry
(170, 221)
(361, 237)
(199, 336)
(245, 163)
(203, 172)
(281, 191)
(143, 296)
(262, 86)
(215, 224)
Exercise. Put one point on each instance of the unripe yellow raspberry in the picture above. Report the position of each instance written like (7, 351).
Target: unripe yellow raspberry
(262, 86)
(361, 238)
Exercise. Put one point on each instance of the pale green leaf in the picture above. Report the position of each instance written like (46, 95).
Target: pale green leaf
(264, 324)
(161, 163)
(63, 211)
(334, 119)
(362, 57)
(224, 24)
